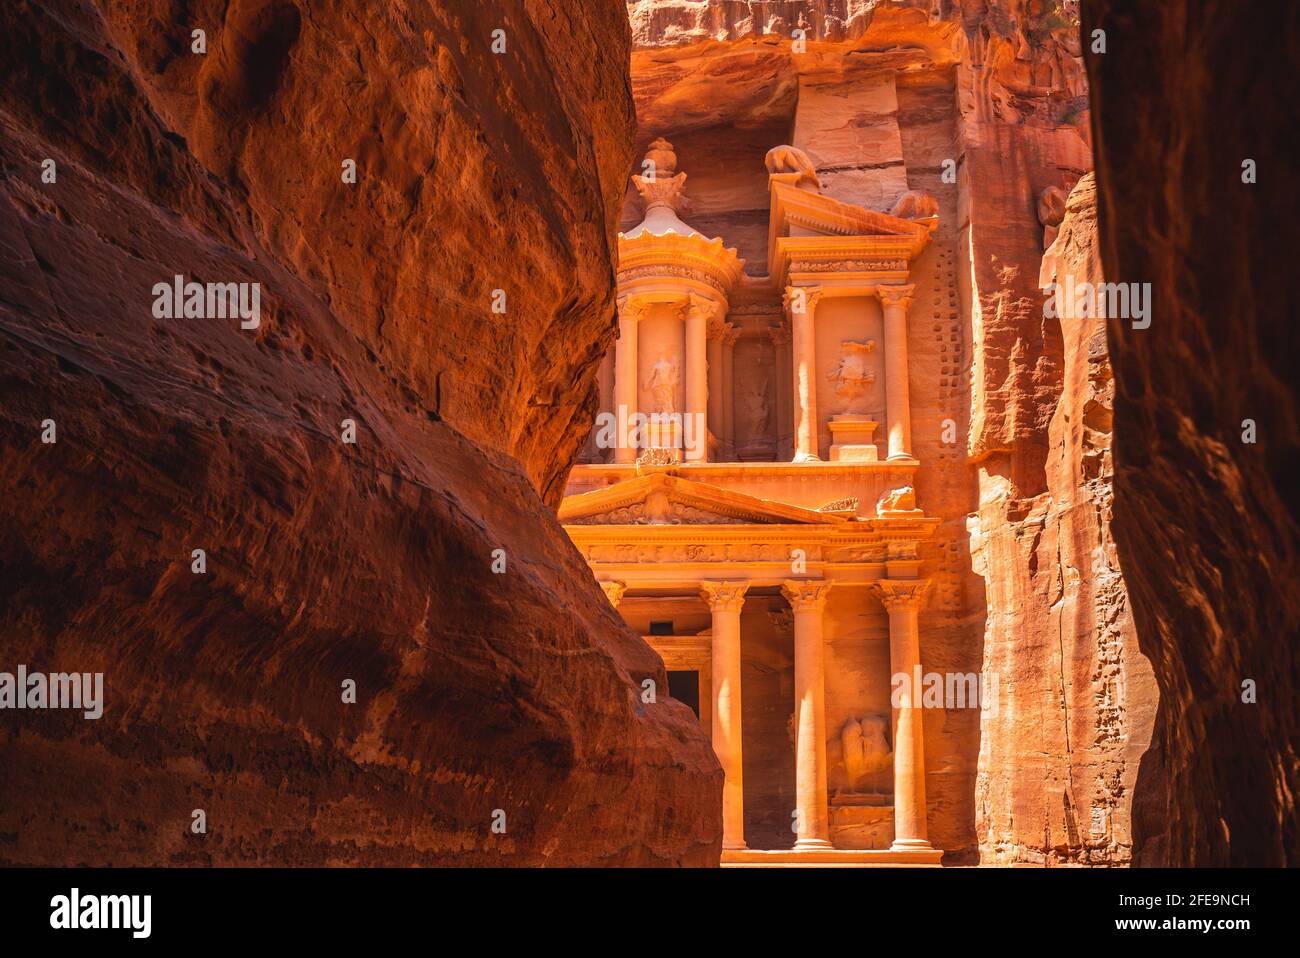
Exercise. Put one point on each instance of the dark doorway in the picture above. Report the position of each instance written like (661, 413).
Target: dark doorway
(685, 687)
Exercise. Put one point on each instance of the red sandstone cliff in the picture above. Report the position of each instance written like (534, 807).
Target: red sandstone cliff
(1207, 533)
(326, 561)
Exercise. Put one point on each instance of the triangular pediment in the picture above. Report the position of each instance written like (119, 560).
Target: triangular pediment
(662, 499)
(809, 228)
(823, 215)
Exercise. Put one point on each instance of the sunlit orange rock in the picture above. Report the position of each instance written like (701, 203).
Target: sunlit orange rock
(499, 716)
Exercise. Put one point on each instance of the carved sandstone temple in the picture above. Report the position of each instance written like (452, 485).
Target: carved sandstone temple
(747, 496)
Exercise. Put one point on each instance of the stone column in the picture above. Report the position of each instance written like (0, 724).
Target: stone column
(807, 597)
(725, 600)
(800, 303)
(716, 333)
(781, 370)
(625, 378)
(696, 324)
(729, 337)
(902, 598)
(894, 300)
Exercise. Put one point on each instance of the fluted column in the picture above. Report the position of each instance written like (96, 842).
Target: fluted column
(781, 340)
(625, 377)
(800, 303)
(807, 597)
(894, 301)
(725, 600)
(902, 599)
(729, 336)
(697, 313)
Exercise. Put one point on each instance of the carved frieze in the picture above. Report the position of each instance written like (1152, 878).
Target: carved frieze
(849, 266)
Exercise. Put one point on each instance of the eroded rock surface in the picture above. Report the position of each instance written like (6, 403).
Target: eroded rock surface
(326, 561)
(1207, 532)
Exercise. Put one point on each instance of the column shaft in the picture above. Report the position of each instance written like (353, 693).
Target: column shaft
(812, 821)
(715, 387)
(625, 383)
(894, 301)
(725, 601)
(697, 383)
(903, 602)
(728, 394)
(801, 303)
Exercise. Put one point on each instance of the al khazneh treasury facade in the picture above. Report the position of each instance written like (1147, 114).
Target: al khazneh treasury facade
(747, 502)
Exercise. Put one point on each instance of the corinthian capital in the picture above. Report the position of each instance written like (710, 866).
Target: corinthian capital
(696, 305)
(799, 300)
(805, 594)
(896, 295)
(724, 596)
(614, 592)
(900, 593)
(631, 308)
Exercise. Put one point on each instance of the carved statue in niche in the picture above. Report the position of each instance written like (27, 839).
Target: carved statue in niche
(757, 407)
(866, 748)
(851, 375)
(662, 384)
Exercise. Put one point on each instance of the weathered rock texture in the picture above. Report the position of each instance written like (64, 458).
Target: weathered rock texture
(1206, 529)
(1062, 753)
(326, 561)
(891, 97)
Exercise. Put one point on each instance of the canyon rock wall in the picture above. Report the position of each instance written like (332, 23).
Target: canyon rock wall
(1207, 533)
(984, 105)
(1060, 758)
(494, 685)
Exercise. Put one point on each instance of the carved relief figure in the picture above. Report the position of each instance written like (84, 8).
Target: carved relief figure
(757, 406)
(851, 374)
(866, 747)
(662, 384)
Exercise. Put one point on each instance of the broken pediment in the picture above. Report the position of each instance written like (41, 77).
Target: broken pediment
(663, 499)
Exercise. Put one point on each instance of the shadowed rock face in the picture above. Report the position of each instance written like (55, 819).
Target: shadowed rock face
(326, 561)
(1207, 533)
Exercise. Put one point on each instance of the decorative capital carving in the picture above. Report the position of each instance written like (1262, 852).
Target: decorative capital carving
(900, 593)
(896, 295)
(806, 594)
(614, 592)
(802, 299)
(727, 596)
(702, 306)
(631, 309)
(780, 333)
(730, 334)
